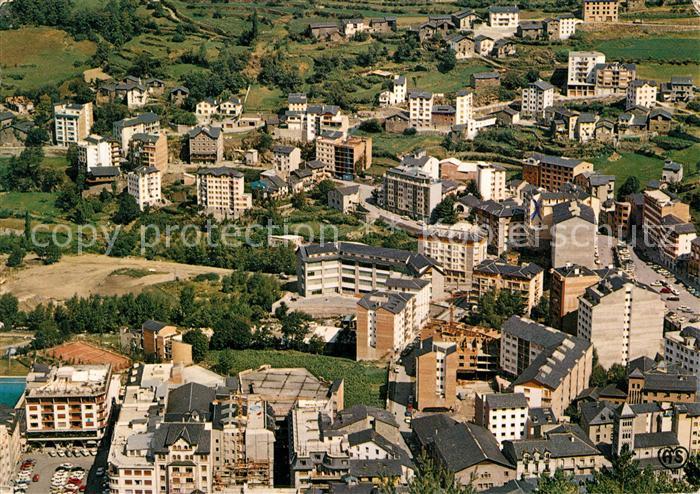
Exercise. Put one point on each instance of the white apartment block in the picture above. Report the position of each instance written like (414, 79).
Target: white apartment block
(95, 151)
(232, 107)
(143, 184)
(491, 181)
(520, 345)
(623, 320)
(536, 97)
(410, 191)
(567, 25)
(641, 93)
(464, 107)
(72, 122)
(124, 130)
(221, 192)
(397, 94)
(504, 414)
(458, 248)
(420, 108)
(386, 323)
(504, 17)
(206, 108)
(683, 349)
(286, 160)
(581, 74)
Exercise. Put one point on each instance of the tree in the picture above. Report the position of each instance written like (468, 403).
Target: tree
(430, 479)
(295, 325)
(225, 363)
(248, 37)
(16, 257)
(447, 59)
(199, 342)
(692, 471)
(559, 483)
(231, 332)
(496, 307)
(36, 136)
(540, 312)
(445, 212)
(320, 192)
(9, 310)
(372, 125)
(630, 186)
(50, 254)
(128, 209)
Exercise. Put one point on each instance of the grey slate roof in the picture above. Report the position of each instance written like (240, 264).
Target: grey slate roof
(555, 160)
(497, 9)
(655, 439)
(389, 301)
(189, 398)
(220, 171)
(542, 85)
(506, 400)
(494, 266)
(357, 413)
(567, 210)
(169, 433)
(565, 445)
(213, 132)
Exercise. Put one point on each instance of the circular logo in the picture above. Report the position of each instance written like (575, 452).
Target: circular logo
(673, 457)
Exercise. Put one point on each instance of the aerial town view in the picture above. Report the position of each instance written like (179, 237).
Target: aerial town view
(349, 246)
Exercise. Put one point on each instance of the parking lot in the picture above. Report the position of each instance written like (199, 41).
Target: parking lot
(46, 466)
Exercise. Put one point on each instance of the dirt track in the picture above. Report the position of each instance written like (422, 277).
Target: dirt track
(91, 274)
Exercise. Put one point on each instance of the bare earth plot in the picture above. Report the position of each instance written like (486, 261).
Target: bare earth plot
(93, 274)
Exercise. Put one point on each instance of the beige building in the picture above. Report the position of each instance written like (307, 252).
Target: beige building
(436, 375)
(72, 122)
(344, 199)
(344, 157)
(457, 248)
(386, 323)
(206, 145)
(143, 184)
(124, 130)
(614, 78)
(623, 319)
(667, 225)
(10, 445)
(420, 108)
(150, 150)
(286, 160)
(582, 71)
(537, 96)
(641, 93)
(495, 275)
(600, 10)
(504, 16)
(574, 234)
(69, 404)
(464, 107)
(164, 342)
(682, 348)
(491, 181)
(96, 151)
(410, 191)
(552, 367)
(504, 414)
(221, 191)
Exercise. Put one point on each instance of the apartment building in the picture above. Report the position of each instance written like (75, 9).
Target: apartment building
(420, 108)
(561, 27)
(667, 225)
(387, 322)
(206, 144)
(552, 172)
(344, 156)
(614, 77)
(286, 159)
(641, 93)
(206, 109)
(494, 275)
(682, 348)
(10, 445)
(649, 381)
(694, 261)
(72, 122)
(537, 96)
(491, 181)
(504, 414)
(462, 45)
(623, 319)
(581, 77)
(164, 342)
(464, 107)
(561, 449)
(149, 150)
(436, 375)
(96, 151)
(305, 122)
(410, 191)
(357, 269)
(504, 16)
(477, 347)
(504, 222)
(143, 184)
(600, 10)
(232, 107)
(552, 367)
(221, 191)
(569, 282)
(574, 235)
(344, 199)
(69, 404)
(125, 129)
(457, 248)
(672, 172)
(397, 94)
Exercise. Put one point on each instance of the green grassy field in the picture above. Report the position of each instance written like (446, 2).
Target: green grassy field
(37, 203)
(656, 48)
(396, 144)
(453, 81)
(364, 382)
(12, 368)
(664, 71)
(32, 57)
(630, 164)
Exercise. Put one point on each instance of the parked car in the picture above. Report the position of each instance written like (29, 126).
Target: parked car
(35, 478)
